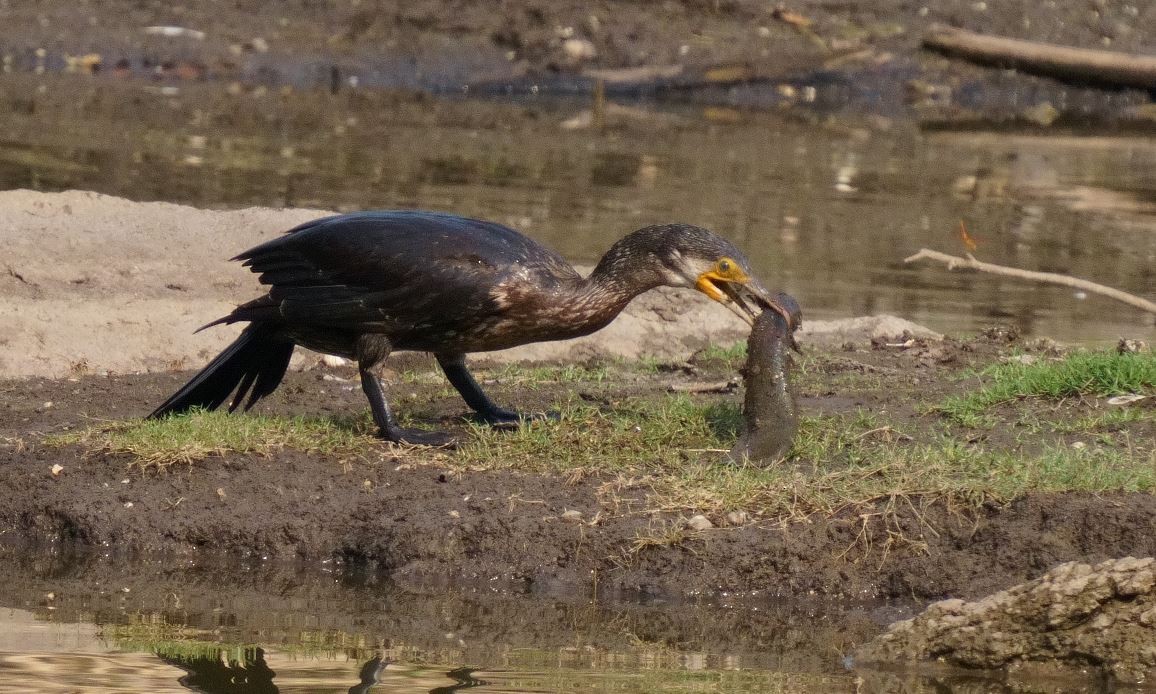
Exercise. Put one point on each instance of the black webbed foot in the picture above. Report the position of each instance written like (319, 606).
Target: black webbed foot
(420, 437)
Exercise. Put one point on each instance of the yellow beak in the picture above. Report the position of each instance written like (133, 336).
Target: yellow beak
(731, 290)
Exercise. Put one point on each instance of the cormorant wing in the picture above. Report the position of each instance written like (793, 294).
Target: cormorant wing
(396, 268)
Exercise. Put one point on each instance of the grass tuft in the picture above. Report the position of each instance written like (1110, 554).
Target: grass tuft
(199, 434)
(1078, 374)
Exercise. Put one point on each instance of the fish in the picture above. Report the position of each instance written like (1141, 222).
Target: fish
(770, 411)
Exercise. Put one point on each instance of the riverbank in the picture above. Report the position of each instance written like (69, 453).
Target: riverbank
(894, 489)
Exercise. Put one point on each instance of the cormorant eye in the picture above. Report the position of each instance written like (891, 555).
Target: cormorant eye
(724, 266)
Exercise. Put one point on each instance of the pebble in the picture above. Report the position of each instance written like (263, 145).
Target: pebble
(699, 522)
(572, 516)
(57, 469)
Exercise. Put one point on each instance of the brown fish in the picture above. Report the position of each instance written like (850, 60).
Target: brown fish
(770, 415)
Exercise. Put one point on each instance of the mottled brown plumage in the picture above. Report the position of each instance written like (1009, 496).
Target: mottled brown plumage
(363, 285)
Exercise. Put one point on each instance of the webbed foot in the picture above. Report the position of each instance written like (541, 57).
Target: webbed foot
(420, 437)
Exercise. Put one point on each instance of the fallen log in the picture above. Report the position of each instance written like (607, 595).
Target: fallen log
(1062, 62)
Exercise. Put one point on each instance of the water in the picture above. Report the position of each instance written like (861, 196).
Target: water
(99, 625)
(826, 211)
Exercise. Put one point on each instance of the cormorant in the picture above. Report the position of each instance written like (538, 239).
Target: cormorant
(365, 284)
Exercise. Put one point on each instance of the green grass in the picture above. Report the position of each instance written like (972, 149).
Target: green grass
(198, 435)
(677, 449)
(1078, 374)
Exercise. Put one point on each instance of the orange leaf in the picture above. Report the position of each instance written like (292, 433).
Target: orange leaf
(968, 241)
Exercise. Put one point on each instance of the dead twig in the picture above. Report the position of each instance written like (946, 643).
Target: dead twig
(712, 387)
(969, 262)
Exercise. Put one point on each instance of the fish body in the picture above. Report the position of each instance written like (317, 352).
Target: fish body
(770, 412)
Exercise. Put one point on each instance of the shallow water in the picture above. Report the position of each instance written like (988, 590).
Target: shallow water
(826, 211)
(107, 626)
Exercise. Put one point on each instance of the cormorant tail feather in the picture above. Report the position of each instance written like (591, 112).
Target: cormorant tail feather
(256, 360)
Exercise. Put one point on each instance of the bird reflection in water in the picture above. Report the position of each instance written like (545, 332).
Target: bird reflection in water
(211, 674)
(464, 679)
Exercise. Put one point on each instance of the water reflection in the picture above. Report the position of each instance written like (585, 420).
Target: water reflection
(98, 625)
(827, 212)
(213, 675)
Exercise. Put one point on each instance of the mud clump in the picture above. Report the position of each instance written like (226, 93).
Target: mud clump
(1103, 616)
(770, 411)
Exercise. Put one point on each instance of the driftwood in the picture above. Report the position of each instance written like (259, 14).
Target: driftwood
(953, 261)
(1072, 64)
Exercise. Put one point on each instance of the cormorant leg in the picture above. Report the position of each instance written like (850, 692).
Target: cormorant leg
(454, 365)
(370, 353)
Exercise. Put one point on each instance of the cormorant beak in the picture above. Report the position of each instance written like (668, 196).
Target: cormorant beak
(743, 294)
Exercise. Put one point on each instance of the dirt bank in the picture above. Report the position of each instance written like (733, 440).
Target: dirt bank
(427, 522)
(1100, 617)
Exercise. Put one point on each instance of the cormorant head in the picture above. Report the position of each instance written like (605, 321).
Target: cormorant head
(690, 256)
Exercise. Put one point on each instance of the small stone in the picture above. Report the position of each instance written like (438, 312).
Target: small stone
(1126, 346)
(128, 504)
(579, 49)
(737, 518)
(57, 469)
(1125, 399)
(1079, 445)
(572, 516)
(1148, 617)
(455, 514)
(221, 493)
(699, 522)
(333, 360)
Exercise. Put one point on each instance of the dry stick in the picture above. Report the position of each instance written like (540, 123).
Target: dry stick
(954, 261)
(1104, 67)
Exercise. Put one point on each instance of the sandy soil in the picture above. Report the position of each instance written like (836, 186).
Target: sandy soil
(96, 284)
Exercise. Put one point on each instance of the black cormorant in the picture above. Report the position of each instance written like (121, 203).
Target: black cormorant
(366, 284)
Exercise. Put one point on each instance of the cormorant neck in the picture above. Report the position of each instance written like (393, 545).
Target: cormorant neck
(590, 304)
(626, 270)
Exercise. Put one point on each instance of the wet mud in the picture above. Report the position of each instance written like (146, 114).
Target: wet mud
(813, 58)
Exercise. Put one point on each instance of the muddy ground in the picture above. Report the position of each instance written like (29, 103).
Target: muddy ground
(869, 52)
(424, 522)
